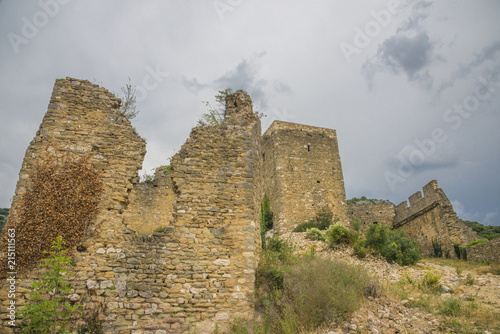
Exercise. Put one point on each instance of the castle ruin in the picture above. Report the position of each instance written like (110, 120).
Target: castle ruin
(432, 218)
(181, 251)
(302, 173)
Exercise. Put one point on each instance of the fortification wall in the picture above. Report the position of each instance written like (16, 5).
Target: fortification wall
(368, 212)
(303, 173)
(432, 217)
(199, 270)
(489, 251)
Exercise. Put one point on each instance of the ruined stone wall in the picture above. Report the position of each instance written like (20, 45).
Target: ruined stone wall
(150, 205)
(368, 212)
(303, 173)
(432, 217)
(199, 270)
(84, 119)
(489, 251)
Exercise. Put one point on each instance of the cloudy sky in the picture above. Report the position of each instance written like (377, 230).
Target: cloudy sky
(412, 87)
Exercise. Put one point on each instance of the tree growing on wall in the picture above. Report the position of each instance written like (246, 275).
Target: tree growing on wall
(215, 115)
(128, 108)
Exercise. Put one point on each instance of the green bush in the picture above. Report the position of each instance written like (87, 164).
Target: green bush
(356, 225)
(315, 234)
(469, 280)
(339, 234)
(438, 250)
(266, 219)
(48, 310)
(322, 220)
(303, 227)
(476, 242)
(394, 245)
(360, 250)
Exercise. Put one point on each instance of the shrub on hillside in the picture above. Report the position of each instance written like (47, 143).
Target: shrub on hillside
(359, 249)
(322, 220)
(316, 291)
(339, 234)
(303, 227)
(394, 245)
(315, 234)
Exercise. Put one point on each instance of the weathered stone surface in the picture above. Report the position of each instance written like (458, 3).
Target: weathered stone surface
(432, 218)
(489, 251)
(303, 173)
(368, 212)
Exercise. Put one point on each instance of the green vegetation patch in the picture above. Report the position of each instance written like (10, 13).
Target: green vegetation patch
(301, 293)
(487, 232)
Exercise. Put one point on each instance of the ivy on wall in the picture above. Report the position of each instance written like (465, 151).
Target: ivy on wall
(61, 199)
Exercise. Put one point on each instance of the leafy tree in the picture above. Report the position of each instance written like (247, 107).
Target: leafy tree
(487, 232)
(128, 108)
(215, 115)
(49, 311)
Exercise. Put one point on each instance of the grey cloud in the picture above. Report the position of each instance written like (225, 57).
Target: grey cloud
(419, 13)
(244, 76)
(407, 54)
(490, 53)
(410, 51)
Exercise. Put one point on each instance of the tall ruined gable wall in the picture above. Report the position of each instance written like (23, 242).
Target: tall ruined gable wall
(84, 119)
(198, 269)
(303, 173)
(432, 217)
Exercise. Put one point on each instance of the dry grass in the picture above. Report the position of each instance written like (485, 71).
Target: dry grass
(480, 268)
(461, 315)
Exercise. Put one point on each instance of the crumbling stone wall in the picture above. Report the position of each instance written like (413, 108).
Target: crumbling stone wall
(199, 270)
(369, 212)
(84, 119)
(489, 251)
(303, 173)
(151, 203)
(432, 217)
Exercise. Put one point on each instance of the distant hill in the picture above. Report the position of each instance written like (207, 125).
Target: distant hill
(3, 218)
(487, 232)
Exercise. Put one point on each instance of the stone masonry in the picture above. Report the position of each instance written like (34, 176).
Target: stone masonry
(151, 203)
(198, 268)
(371, 211)
(489, 251)
(303, 173)
(432, 218)
(180, 252)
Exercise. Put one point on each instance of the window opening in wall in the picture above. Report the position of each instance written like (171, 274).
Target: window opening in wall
(318, 181)
(308, 148)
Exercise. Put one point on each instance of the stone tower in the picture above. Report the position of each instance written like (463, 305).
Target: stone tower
(303, 173)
